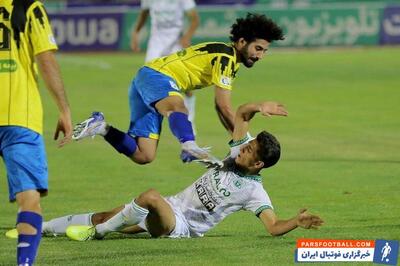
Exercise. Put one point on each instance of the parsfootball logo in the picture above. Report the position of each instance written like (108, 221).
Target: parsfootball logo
(8, 65)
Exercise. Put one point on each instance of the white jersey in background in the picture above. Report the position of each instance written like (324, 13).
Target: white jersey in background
(167, 25)
(218, 193)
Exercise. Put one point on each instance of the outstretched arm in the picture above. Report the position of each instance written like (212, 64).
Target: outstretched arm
(278, 227)
(246, 112)
(194, 23)
(141, 20)
(51, 75)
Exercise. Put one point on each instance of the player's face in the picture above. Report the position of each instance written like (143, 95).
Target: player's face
(248, 156)
(251, 52)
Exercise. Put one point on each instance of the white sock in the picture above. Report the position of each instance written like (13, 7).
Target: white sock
(190, 103)
(59, 225)
(132, 214)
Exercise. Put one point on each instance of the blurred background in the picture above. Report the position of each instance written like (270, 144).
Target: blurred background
(93, 25)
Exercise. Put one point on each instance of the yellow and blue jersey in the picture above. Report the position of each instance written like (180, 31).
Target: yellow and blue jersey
(199, 66)
(24, 33)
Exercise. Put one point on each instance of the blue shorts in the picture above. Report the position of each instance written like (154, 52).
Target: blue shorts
(148, 87)
(25, 158)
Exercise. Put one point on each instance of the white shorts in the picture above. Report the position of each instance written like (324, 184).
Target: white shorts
(162, 44)
(181, 229)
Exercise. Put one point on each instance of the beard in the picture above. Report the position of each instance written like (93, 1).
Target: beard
(246, 59)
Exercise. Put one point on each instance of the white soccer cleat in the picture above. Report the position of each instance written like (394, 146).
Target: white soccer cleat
(192, 152)
(94, 125)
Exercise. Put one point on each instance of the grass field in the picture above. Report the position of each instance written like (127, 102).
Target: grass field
(341, 159)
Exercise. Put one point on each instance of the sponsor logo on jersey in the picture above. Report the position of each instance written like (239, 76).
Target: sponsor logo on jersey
(204, 198)
(218, 184)
(8, 65)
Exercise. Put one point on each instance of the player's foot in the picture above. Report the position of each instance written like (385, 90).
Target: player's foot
(191, 152)
(81, 232)
(13, 233)
(94, 125)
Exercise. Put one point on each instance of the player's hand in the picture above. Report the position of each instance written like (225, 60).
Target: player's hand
(185, 41)
(64, 125)
(272, 108)
(135, 43)
(307, 220)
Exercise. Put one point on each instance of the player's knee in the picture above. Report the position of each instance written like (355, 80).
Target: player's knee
(99, 218)
(143, 157)
(149, 198)
(143, 160)
(179, 108)
(171, 104)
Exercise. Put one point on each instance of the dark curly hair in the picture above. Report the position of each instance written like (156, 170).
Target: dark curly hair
(256, 26)
(269, 149)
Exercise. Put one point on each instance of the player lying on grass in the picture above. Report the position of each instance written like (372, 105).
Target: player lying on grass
(218, 193)
(156, 91)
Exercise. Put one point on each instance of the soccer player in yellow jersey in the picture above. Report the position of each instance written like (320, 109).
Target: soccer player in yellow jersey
(26, 37)
(156, 91)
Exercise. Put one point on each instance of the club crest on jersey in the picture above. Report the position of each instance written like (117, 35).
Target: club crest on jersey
(52, 40)
(225, 80)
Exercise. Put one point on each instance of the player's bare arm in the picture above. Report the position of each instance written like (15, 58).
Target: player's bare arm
(194, 23)
(141, 20)
(51, 74)
(246, 112)
(277, 227)
(224, 109)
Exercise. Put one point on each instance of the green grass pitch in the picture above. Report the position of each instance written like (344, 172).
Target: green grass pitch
(340, 158)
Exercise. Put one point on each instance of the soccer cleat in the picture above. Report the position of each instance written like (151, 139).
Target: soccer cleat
(186, 157)
(210, 162)
(13, 233)
(94, 125)
(192, 152)
(81, 232)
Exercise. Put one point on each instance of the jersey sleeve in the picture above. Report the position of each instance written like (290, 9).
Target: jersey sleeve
(188, 4)
(236, 145)
(39, 28)
(258, 201)
(223, 71)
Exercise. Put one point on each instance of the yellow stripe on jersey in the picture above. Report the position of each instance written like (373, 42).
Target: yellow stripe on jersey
(22, 36)
(200, 66)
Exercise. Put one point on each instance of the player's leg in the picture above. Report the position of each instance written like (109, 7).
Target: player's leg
(190, 103)
(174, 108)
(25, 159)
(150, 205)
(161, 218)
(154, 47)
(102, 217)
(58, 226)
(140, 142)
(29, 222)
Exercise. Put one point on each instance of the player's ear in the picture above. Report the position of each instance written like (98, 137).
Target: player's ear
(241, 43)
(259, 164)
